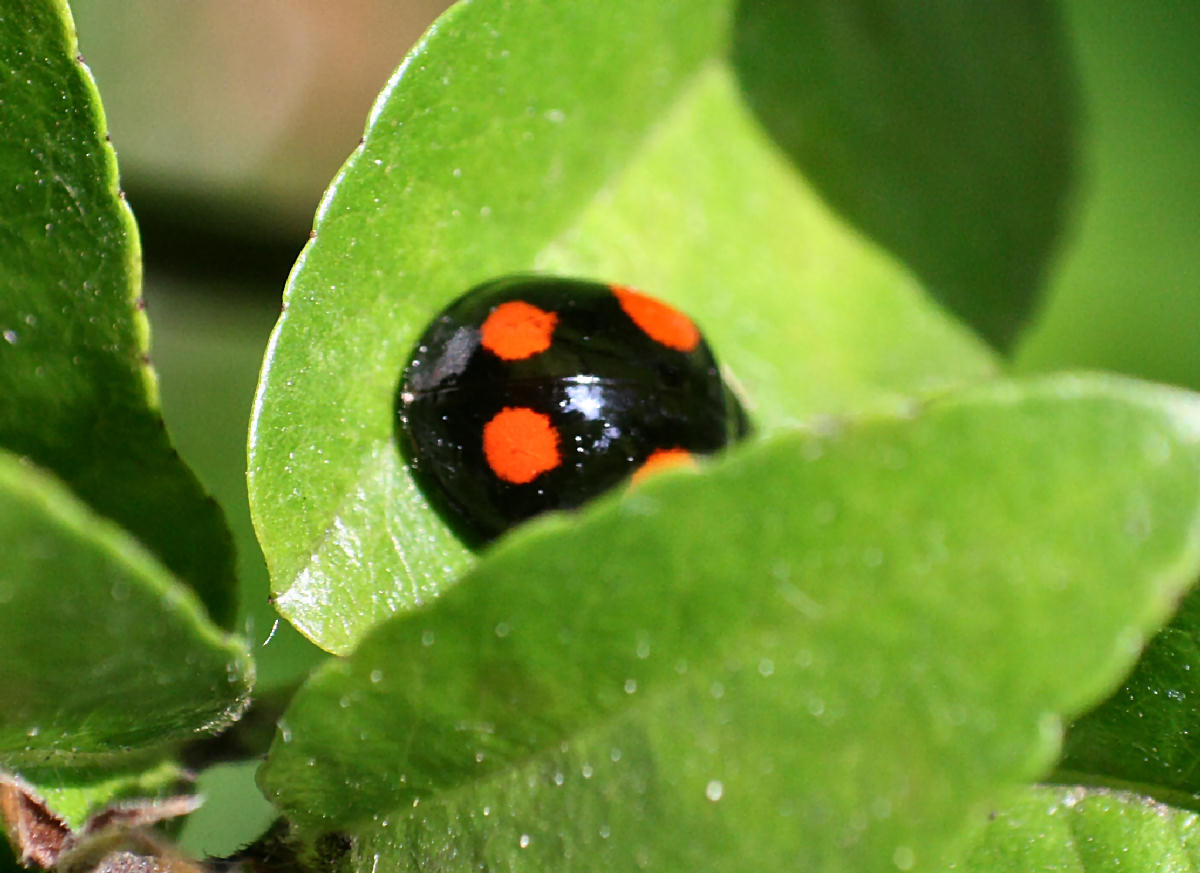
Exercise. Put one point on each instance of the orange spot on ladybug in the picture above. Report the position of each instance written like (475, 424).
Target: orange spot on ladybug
(516, 330)
(520, 444)
(662, 323)
(663, 459)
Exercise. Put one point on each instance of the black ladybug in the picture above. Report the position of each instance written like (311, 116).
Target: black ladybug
(529, 394)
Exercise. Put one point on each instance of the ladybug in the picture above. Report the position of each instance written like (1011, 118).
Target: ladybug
(530, 393)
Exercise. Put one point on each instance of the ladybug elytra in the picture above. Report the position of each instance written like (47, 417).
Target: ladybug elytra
(529, 394)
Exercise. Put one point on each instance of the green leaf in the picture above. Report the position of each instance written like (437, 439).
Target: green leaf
(79, 397)
(103, 657)
(945, 130)
(590, 139)
(1075, 830)
(1117, 304)
(75, 793)
(827, 652)
(1147, 735)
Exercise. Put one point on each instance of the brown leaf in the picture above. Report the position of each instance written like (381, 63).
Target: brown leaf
(38, 835)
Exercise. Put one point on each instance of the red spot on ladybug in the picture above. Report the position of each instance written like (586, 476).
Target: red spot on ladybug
(520, 444)
(517, 330)
(662, 323)
(663, 459)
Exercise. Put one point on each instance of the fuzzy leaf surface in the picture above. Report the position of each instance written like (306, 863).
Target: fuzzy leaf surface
(1078, 830)
(828, 651)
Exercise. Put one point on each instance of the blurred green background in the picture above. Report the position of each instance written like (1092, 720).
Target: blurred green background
(229, 119)
(1126, 292)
